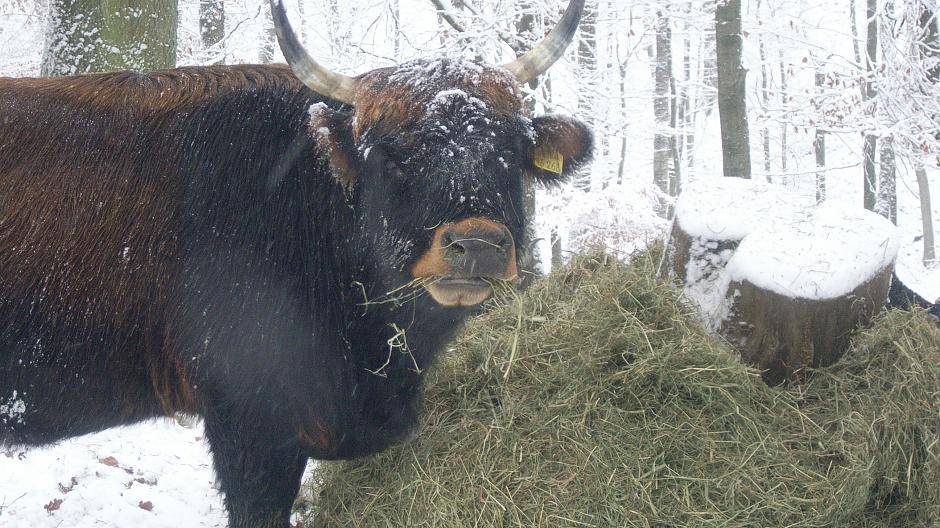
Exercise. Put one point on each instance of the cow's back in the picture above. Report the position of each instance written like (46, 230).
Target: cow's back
(94, 172)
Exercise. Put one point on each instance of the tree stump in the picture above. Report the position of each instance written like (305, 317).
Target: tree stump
(712, 217)
(782, 335)
(798, 289)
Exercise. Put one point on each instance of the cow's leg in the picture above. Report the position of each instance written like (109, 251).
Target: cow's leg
(259, 472)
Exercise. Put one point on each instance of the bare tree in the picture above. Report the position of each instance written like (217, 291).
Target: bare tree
(587, 68)
(783, 125)
(97, 35)
(869, 93)
(929, 47)
(819, 149)
(765, 102)
(212, 28)
(886, 203)
(269, 37)
(732, 109)
(662, 104)
(685, 99)
(856, 51)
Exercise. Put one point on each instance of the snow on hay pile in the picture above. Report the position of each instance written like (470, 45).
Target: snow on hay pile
(595, 398)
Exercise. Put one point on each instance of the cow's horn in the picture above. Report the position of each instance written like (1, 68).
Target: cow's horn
(540, 58)
(319, 79)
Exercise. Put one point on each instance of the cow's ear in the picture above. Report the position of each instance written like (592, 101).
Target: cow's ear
(561, 146)
(332, 132)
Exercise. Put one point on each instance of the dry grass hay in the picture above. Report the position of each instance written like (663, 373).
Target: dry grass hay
(596, 399)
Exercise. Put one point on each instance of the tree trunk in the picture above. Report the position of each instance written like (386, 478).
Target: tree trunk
(269, 36)
(781, 335)
(556, 249)
(765, 101)
(108, 35)
(887, 205)
(212, 29)
(587, 66)
(395, 8)
(624, 95)
(868, 153)
(926, 215)
(689, 98)
(529, 260)
(929, 41)
(783, 125)
(675, 175)
(929, 49)
(662, 77)
(709, 54)
(871, 57)
(856, 52)
(732, 109)
(819, 148)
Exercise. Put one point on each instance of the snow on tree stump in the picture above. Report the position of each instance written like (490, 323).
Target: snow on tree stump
(711, 218)
(799, 288)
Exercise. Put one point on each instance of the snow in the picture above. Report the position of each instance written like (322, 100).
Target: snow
(706, 281)
(13, 409)
(716, 213)
(823, 252)
(925, 281)
(729, 208)
(316, 109)
(110, 479)
(622, 220)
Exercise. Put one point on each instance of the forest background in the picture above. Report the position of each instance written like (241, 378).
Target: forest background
(841, 98)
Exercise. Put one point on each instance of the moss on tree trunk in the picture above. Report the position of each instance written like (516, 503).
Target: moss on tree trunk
(107, 35)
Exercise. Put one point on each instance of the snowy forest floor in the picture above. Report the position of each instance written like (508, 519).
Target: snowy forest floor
(156, 474)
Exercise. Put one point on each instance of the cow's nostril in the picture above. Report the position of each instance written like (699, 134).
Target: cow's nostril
(452, 244)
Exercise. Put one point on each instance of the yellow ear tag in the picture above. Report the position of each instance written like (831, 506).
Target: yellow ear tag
(548, 159)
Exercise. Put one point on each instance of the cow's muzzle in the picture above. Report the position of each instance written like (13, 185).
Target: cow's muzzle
(465, 260)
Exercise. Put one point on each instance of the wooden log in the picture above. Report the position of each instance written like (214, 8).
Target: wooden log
(798, 290)
(712, 217)
(704, 257)
(782, 335)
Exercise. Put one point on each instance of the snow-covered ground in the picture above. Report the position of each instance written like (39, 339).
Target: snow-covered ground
(155, 474)
(910, 269)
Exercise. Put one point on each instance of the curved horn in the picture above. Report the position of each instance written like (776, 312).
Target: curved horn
(540, 58)
(316, 77)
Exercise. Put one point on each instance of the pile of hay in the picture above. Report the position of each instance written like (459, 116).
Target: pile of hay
(596, 399)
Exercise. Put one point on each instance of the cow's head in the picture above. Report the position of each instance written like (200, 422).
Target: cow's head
(436, 152)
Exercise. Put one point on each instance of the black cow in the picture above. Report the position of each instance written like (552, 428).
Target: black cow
(282, 253)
